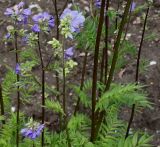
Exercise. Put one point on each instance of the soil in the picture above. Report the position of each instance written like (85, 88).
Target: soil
(149, 120)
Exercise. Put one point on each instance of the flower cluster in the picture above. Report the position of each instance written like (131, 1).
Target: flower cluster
(71, 22)
(18, 13)
(33, 130)
(56, 46)
(43, 21)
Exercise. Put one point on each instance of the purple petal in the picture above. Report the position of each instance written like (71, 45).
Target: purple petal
(133, 6)
(27, 12)
(7, 36)
(20, 5)
(9, 12)
(17, 69)
(36, 28)
(69, 53)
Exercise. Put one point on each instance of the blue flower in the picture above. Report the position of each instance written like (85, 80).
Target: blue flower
(18, 13)
(133, 5)
(77, 19)
(36, 28)
(25, 39)
(8, 36)
(97, 3)
(18, 69)
(32, 132)
(9, 12)
(69, 53)
(42, 19)
(21, 5)
(27, 12)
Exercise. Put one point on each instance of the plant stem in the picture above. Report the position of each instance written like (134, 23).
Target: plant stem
(106, 41)
(118, 5)
(68, 137)
(57, 19)
(42, 86)
(82, 80)
(137, 70)
(64, 80)
(114, 60)
(127, 27)
(94, 81)
(117, 44)
(102, 68)
(2, 103)
(57, 37)
(18, 92)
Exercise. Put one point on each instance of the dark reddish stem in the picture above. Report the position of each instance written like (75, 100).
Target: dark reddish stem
(82, 80)
(94, 82)
(118, 5)
(42, 86)
(106, 41)
(65, 5)
(114, 60)
(2, 103)
(127, 27)
(57, 37)
(18, 92)
(102, 67)
(137, 70)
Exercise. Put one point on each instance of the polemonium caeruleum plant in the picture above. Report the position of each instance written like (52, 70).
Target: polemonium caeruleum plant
(71, 21)
(19, 16)
(43, 23)
(112, 131)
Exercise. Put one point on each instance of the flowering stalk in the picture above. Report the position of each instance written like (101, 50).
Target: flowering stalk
(2, 103)
(114, 60)
(42, 86)
(18, 90)
(82, 80)
(137, 70)
(94, 81)
(57, 37)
